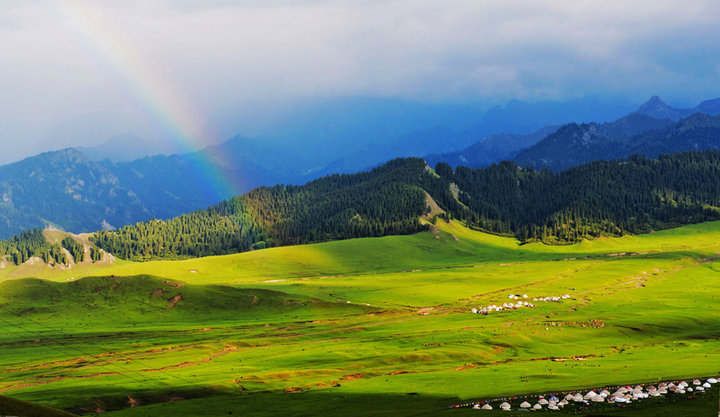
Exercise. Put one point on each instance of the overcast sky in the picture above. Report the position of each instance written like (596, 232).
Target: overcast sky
(78, 72)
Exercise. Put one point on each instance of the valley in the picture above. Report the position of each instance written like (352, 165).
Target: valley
(377, 326)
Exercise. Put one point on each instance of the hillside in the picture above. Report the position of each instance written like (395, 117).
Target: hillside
(142, 298)
(309, 341)
(603, 198)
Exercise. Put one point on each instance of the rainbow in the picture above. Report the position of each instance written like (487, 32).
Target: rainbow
(163, 99)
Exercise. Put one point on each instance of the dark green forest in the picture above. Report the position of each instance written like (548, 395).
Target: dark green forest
(611, 198)
(637, 195)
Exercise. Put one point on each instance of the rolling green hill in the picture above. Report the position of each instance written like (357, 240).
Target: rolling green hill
(374, 326)
(97, 301)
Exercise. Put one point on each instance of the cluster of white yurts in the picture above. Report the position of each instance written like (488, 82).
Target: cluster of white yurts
(621, 395)
(518, 304)
(553, 299)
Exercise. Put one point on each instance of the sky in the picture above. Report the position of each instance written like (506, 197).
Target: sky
(77, 72)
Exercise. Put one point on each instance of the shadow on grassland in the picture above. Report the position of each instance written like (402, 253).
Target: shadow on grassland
(17, 408)
(335, 403)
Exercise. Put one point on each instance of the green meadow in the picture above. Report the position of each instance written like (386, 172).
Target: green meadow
(371, 327)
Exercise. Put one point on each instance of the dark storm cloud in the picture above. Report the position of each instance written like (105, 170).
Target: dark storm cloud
(61, 85)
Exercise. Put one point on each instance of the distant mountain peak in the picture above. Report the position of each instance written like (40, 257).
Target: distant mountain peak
(655, 103)
(657, 108)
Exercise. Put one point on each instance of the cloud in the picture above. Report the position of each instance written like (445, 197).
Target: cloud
(224, 57)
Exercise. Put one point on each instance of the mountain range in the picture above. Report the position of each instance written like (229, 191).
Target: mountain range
(95, 189)
(440, 129)
(558, 147)
(643, 132)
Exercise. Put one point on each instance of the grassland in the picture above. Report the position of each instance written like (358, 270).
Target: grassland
(361, 327)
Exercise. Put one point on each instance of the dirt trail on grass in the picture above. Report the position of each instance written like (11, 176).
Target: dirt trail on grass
(224, 351)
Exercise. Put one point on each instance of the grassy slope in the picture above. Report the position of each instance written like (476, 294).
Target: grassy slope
(645, 308)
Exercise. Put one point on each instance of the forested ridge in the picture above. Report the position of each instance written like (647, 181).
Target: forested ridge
(612, 198)
(385, 201)
(637, 195)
